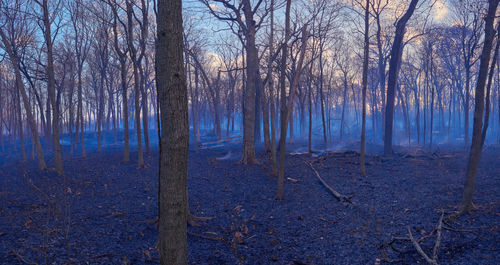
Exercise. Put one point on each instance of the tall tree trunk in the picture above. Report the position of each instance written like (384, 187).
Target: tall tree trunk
(135, 64)
(122, 57)
(174, 140)
(488, 87)
(271, 93)
(365, 86)
(283, 110)
(27, 106)
(250, 90)
(396, 51)
(20, 124)
(320, 88)
(265, 117)
(286, 105)
(381, 70)
(344, 104)
(51, 88)
(476, 147)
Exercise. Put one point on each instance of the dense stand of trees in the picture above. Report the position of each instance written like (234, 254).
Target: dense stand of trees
(72, 72)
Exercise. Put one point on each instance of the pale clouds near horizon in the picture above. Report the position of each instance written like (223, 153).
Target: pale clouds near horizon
(440, 10)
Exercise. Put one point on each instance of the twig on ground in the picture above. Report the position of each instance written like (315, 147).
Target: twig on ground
(207, 237)
(21, 258)
(89, 258)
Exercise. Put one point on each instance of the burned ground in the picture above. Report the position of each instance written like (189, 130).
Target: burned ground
(112, 207)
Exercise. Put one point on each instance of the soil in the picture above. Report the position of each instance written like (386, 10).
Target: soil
(103, 211)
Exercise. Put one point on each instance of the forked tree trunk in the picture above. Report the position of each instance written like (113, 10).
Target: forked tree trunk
(286, 105)
(396, 51)
(135, 64)
(51, 89)
(476, 147)
(283, 110)
(122, 57)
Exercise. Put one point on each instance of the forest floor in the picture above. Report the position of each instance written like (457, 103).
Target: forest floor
(104, 211)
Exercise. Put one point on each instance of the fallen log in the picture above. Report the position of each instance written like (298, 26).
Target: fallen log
(336, 194)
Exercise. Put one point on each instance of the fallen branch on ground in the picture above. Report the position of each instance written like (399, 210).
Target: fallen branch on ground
(207, 237)
(434, 259)
(336, 194)
(292, 180)
(21, 258)
(89, 258)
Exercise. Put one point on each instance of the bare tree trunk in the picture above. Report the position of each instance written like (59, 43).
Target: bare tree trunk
(27, 106)
(309, 140)
(320, 88)
(174, 140)
(144, 94)
(488, 87)
(51, 88)
(365, 86)
(20, 123)
(80, 110)
(396, 51)
(265, 117)
(433, 88)
(250, 90)
(283, 110)
(381, 69)
(476, 147)
(122, 57)
(271, 93)
(135, 64)
(344, 102)
(286, 105)
(194, 99)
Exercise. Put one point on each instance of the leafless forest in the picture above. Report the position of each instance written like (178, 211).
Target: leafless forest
(304, 132)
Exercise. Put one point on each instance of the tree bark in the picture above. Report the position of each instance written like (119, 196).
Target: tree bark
(250, 89)
(174, 140)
